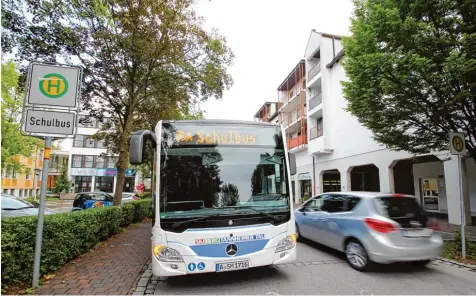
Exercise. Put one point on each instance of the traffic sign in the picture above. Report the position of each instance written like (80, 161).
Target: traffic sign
(53, 86)
(457, 144)
(49, 123)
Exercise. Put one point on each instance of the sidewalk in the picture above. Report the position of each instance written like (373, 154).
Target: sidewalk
(112, 268)
(448, 230)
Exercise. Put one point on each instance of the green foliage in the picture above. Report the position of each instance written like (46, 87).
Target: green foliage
(13, 142)
(65, 236)
(63, 182)
(155, 57)
(453, 249)
(412, 72)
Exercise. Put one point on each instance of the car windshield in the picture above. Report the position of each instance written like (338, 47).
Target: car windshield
(14, 204)
(210, 179)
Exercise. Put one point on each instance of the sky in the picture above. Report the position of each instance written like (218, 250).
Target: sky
(268, 38)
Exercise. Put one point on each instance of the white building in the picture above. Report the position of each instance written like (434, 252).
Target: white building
(337, 153)
(90, 168)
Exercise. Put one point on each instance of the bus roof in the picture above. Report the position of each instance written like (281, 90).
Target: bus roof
(221, 121)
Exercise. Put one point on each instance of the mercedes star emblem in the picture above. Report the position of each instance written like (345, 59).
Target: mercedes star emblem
(231, 250)
(230, 222)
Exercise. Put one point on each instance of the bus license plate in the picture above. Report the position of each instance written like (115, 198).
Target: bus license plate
(235, 265)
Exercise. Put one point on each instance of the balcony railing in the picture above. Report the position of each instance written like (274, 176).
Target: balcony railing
(315, 101)
(287, 96)
(297, 141)
(316, 132)
(314, 71)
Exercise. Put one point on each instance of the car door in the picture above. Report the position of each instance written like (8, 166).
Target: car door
(333, 223)
(309, 219)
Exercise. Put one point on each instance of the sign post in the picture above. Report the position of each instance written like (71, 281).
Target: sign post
(50, 110)
(458, 147)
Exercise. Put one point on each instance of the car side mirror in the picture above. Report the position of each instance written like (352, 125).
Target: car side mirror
(292, 163)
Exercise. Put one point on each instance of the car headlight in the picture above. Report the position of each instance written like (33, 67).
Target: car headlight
(165, 254)
(286, 243)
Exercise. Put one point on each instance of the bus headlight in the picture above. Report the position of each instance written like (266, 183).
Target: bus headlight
(286, 243)
(166, 254)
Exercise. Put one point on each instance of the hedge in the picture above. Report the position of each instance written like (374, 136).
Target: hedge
(65, 237)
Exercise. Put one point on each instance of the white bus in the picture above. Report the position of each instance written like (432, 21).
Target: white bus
(221, 195)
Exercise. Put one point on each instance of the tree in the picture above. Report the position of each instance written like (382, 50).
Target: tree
(13, 142)
(142, 60)
(63, 182)
(412, 72)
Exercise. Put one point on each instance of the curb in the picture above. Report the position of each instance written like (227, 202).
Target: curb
(139, 276)
(469, 267)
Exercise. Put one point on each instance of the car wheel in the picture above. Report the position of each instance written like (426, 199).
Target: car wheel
(357, 256)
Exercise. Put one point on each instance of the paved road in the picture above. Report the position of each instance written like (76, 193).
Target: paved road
(323, 271)
(63, 207)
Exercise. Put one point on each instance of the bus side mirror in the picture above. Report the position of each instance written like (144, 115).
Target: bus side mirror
(292, 163)
(137, 145)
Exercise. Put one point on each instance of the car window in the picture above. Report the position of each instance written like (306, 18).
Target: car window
(396, 206)
(314, 205)
(97, 196)
(13, 203)
(109, 197)
(333, 203)
(351, 202)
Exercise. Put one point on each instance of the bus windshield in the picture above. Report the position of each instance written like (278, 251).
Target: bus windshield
(212, 170)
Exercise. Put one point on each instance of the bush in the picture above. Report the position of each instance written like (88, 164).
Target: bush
(453, 249)
(65, 236)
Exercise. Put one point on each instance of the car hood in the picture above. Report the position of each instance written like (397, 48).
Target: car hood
(25, 212)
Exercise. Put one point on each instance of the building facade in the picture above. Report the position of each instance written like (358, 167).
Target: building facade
(334, 152)
(27, 182)
(91, 168)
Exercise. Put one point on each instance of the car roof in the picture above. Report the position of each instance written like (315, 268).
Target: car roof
(367, 194)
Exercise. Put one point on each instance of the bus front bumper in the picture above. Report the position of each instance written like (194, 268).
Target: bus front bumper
(197, 264)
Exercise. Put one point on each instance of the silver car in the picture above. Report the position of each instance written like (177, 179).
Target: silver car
(16, 207)
(370, 227)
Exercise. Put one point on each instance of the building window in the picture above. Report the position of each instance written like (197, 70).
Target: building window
(104, 184)
(90, 143)
(100, 144)
(99, 162)
(79, 141)
(77, 161)
(27, 174)
(82, 184)
(14, 173)
(88, 161)
(87, 122)
(111, 162)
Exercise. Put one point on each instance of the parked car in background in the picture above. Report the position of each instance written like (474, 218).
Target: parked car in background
(86, 200)
(129, 196)
(370, 227)
(16, 207)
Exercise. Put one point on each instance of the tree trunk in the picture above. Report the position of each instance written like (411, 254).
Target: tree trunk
(122, 164)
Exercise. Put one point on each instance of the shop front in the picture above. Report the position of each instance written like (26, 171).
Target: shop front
(100, 179)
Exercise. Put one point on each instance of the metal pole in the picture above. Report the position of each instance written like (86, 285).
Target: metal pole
(41, 214)
(461, 200)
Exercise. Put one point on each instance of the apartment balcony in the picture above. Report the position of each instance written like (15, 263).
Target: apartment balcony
(317, 142)
(312, 73)
(297, 142)
(291, 120)
(315, 101)
(288, 100)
